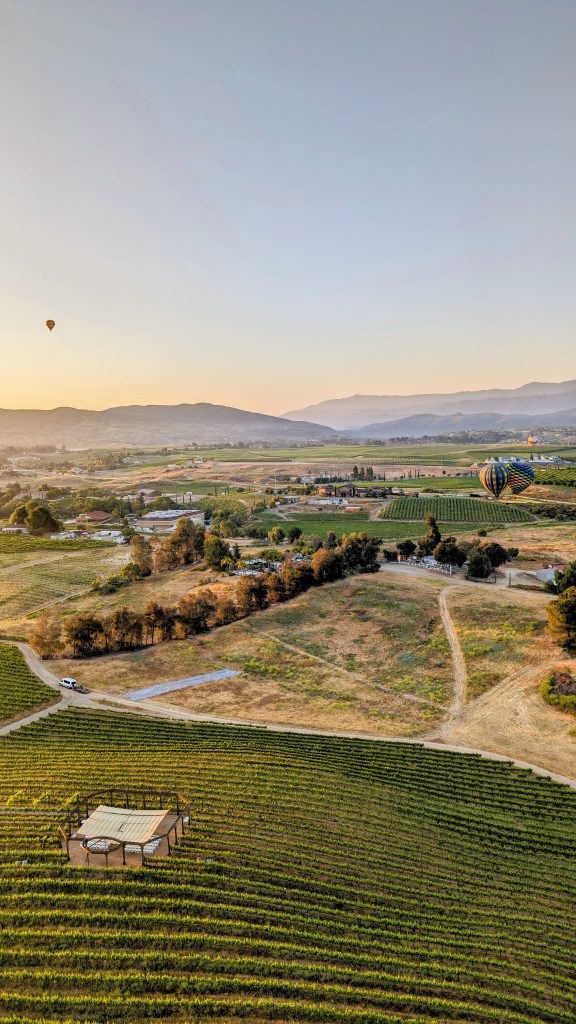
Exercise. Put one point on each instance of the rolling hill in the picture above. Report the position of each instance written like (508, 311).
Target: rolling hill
(150, 424)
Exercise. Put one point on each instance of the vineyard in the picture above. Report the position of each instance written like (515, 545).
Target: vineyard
(25, 588)
(320, 523)
(20, 548)
(321, 880)
(20, 690)
(455, 509)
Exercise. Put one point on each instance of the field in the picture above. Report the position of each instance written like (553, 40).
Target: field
(20, 691)
(27, 588)
(437, 483)
(543, 543)
(367, 654)
(321, 880)
(455, 509)
(500, 635)
(318, 524)
(20, 548)
(166, 587)
(418, 453)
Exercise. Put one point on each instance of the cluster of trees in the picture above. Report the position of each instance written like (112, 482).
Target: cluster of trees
(202, 609)
(184, 546)
(548, 510)
(36, 517)
(562, 611)
(363, 473)
(482, 558)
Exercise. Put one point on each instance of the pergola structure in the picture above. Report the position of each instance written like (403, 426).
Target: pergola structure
(123, 827)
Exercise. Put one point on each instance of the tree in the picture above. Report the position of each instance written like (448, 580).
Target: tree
(46, 636)
(215, 550)
(327, 565)
(495, 554)
(153, 619)
(226, 611)
(294, 533)
(276, 535)
(274, 588)
(562, 617)
(82, 633)
(195, 610)
(429, 540)
(369, 472)
(142, 555)
(18, 517)
(250, 595)
(447, 552)
(331, 540)
(479, 566)
(563, 579)
(126, 628)
(406, 548)
(389, 555)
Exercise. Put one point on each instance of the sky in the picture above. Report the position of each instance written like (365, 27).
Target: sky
(267, 203)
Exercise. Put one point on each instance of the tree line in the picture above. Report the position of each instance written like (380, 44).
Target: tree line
(201, 610)
(482, 558)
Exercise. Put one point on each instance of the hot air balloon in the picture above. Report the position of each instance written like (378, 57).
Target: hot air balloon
(494, 478)
(521, 476)
(50, 324)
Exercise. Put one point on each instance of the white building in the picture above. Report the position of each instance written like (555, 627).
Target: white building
(166, 521)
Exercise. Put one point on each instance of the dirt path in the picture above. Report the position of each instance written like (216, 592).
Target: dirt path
(353, 675)
(99, 700)
(458, 662)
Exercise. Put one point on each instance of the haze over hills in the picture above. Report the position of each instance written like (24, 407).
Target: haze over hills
(423, 424)
(202, 423)
(532, 400)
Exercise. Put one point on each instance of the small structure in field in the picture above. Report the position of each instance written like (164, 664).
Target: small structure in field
(101, 833)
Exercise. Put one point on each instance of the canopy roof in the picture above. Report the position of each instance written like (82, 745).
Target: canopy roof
(122, 823)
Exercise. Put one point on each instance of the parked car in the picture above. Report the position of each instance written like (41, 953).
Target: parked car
(68, 683)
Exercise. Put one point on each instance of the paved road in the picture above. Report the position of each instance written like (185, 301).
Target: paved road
(180, 684)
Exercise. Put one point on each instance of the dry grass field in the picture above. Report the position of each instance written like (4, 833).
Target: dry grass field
(367, 654)
(540, 544)
(500, 633)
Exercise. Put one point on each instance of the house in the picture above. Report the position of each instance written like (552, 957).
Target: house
(98, 516)
(14, 529)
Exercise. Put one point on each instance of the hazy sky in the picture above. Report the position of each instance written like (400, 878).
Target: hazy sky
(266, 203)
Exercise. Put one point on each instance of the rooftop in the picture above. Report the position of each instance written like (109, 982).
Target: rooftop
(123, 824)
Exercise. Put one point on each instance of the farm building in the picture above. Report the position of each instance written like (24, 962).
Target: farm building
(165, 521)
(98, 516)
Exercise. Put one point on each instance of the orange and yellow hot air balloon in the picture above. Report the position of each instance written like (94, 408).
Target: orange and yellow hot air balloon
(50, 324)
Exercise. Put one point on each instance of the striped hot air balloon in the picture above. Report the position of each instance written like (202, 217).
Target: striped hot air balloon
(494, 478)
(521, 476)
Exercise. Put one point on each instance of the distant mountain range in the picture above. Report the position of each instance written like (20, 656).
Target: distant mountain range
(529, 405)
(150, 425)
(424, 424)
(361, 416)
